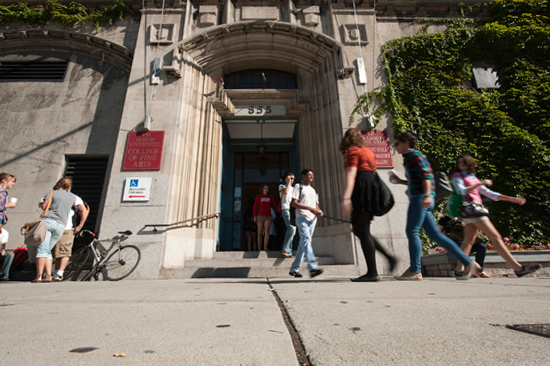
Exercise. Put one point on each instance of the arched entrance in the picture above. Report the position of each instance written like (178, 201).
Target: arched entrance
(212, 108)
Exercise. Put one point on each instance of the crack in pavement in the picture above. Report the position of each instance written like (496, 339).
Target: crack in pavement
(301, 354)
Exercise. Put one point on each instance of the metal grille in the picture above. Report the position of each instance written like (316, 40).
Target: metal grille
(538, 329)
(88, 175)
(33, 70)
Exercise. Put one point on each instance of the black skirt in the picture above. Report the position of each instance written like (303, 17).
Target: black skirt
(364, 192)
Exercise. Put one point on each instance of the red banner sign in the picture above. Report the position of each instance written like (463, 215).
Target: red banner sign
(144, 150)
(379, 143)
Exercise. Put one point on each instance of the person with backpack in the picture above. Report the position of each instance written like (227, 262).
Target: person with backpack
(360, 167)
(467, 185)
(421, 192)
(285, 192)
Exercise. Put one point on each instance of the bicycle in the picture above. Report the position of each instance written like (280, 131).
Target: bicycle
(116, 263)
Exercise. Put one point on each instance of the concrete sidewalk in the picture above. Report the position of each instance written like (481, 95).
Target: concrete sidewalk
(437, 321)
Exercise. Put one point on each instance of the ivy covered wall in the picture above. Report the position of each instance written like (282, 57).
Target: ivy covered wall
(70, 15)
(507, 130)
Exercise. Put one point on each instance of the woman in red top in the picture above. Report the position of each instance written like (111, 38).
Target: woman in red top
(360, 166)
(262, 214)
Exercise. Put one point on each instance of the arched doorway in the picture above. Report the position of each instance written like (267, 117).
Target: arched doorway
(311, 107)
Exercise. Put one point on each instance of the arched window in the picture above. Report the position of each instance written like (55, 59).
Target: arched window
(260, 79)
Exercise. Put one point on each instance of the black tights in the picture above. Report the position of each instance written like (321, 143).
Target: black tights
(361, 228)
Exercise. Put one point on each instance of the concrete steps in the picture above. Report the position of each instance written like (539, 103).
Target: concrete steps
(252, 265)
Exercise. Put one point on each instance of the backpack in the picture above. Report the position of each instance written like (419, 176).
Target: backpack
(292, 208)
(455, 201)
(20, 255)
(443, 188)
(454, 229)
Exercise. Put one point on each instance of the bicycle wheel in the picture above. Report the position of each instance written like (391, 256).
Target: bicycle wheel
(121, 263)
(73, 271)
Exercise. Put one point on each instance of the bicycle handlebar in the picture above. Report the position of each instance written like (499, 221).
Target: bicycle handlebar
(86, 231)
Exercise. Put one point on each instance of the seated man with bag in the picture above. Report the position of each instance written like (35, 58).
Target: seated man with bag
(454, 229)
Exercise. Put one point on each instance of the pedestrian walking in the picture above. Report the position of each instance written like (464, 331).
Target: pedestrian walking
(306, 202)
(285, 192)
(421, 192)
(360, 167)
(471, 188)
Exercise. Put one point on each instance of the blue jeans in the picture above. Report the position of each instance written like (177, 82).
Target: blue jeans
(53, 234)
(306, 229)
(419, 217)
(290, 231)
(8, 260)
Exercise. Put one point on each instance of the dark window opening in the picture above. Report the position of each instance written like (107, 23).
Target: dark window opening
(33, 70)
(88, 175)
(260, 79)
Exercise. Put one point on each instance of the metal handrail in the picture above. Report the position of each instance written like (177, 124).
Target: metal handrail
(336, 219)
(180, 223)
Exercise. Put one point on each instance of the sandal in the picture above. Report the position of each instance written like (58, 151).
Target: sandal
(47, 278)
(37, 279)
(484, 275)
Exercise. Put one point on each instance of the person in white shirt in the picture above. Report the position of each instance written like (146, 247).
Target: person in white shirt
(285, 192)
(306, 202)
(6, 256)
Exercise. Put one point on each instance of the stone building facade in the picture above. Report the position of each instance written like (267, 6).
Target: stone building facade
(223, 80)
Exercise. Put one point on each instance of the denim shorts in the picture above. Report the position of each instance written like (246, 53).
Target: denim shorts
(54, 231)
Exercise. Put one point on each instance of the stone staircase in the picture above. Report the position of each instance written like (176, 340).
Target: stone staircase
(252, 265)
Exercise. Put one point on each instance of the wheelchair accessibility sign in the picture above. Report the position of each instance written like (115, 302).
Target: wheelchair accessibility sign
(137, 189)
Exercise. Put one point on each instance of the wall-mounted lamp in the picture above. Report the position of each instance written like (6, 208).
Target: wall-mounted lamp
(262, 145)
(155, 76)
(147, 123)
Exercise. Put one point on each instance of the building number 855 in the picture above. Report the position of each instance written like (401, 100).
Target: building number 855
(259, 109)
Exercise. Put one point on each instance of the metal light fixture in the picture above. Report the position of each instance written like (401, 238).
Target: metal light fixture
(262, 145)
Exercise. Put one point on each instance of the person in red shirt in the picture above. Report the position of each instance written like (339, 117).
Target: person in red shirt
(262, 214)
(360, 166)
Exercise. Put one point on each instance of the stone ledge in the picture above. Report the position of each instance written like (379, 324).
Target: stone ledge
(443, 264)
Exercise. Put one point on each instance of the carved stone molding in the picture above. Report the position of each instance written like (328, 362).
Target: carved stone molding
(64, 41)
(257, 26)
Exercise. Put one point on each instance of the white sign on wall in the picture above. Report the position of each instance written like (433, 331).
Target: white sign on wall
(361, 70)
(260, 110)
(137, 189)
